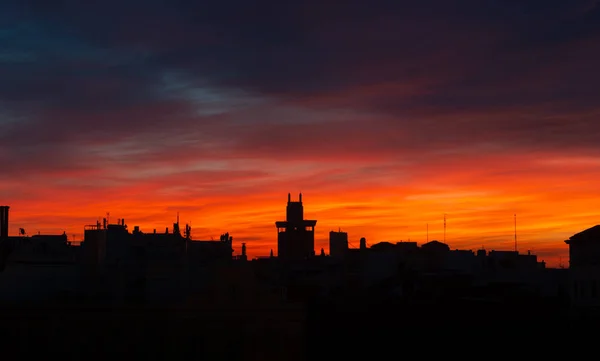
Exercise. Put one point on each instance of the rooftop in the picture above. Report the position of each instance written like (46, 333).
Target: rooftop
(589, 234)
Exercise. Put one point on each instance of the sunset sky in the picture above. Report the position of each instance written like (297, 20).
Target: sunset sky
(386, 115)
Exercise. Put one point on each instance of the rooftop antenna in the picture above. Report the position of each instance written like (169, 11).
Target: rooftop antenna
(516, 233)
(444, 227)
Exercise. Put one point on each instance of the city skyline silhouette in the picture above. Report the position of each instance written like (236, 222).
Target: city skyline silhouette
(217, 302)
(321, 237)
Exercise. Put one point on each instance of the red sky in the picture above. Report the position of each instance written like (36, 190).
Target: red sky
(379, 200)
(385, 117)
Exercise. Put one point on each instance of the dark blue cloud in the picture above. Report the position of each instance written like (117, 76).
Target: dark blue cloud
(296, 47)
(78, 70)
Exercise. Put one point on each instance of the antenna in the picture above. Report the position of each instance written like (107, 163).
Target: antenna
(516, 233)
(444, 227)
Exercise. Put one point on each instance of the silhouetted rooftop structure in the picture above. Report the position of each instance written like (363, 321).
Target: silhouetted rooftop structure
(338, 243)
(295, 235)
(436, 246)
(589, 235)
(584, 259)
(4, 221)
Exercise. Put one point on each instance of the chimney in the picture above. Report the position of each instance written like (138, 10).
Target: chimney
(243, 249)
(4, 221)
(300, 198)
(363, 243)
(289, 197)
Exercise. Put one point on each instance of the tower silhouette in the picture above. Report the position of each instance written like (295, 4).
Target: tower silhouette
(295, 235)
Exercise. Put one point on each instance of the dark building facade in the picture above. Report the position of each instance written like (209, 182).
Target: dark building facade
(584, 256)
(295, 235)
(338, 244)
(4, 221)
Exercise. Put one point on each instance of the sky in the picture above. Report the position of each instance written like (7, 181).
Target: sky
(386, 115)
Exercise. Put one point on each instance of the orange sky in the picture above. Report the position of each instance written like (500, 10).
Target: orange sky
(380, 201)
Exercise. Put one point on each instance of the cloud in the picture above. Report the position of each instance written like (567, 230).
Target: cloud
(400, 60)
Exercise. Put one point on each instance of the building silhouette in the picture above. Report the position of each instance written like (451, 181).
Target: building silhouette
(295, 235)
(584, 256)
(4, 221)
(338, 243)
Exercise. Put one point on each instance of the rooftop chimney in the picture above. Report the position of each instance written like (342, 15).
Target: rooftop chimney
(4, 221)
